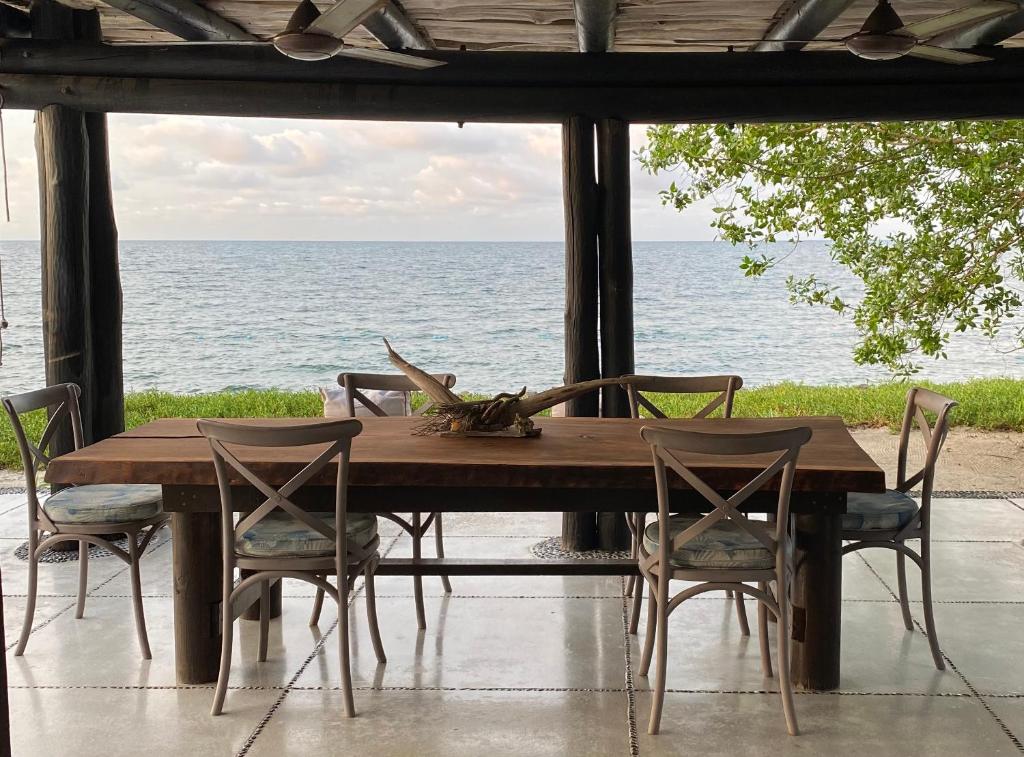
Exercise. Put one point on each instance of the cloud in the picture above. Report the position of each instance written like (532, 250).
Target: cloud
(218, 178)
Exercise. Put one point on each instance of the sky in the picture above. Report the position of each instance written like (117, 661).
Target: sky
(190, 177)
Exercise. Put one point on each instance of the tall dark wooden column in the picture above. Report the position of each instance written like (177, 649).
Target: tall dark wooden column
(616, 262)
(106, 399)
(615, 256)
(579, 191)
(81, 288)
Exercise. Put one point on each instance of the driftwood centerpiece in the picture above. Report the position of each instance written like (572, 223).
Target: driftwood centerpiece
(504, 415)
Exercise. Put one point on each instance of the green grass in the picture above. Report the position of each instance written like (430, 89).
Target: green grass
(986, 404)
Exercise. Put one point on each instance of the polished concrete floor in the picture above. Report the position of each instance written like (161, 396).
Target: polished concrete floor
(527, 666)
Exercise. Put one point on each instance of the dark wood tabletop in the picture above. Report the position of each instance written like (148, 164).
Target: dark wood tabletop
(587, 453)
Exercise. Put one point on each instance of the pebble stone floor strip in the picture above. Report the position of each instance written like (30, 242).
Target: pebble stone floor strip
(527, 666)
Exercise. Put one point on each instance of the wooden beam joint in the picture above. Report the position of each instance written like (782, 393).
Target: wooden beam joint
(595, 24)
(395, 30)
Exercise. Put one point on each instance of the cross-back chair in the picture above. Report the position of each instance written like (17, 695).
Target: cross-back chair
(888, 521)
(724, 388)
(87, 514)
(723, 549)
(356, 384)
(278, 539)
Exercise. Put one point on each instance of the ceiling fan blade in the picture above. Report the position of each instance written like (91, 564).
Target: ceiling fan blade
(389, 56)
(344, 16)
(945, 55)
(970, 14)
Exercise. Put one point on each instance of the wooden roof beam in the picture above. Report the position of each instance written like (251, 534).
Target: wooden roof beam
(801, 20)
(595, 24)
(185, 19)
(990, 32)
(14, 23)
(395, 30)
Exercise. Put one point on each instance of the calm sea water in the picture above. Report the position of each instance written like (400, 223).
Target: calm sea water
(204, 316)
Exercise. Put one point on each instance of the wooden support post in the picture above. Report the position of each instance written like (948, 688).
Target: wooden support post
(579, 530)
(106, 397)
(81, 281)
(616, 262)
(615, 245)
(62, 150)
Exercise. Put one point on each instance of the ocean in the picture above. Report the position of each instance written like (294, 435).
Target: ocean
(205, 316)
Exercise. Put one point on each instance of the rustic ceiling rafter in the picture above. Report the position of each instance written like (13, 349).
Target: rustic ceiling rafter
(393, 28)
(990, 32)
(595, 24)
(185, 19)
(800, 20)
(14, 23)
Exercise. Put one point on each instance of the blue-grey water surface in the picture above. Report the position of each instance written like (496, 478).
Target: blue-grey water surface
(205, 316)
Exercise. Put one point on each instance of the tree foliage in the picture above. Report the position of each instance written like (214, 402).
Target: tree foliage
(929, 216)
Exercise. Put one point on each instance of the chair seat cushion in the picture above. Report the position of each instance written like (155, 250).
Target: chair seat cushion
(281, 535)
(873, 512)
(104, 503)
(724, 546)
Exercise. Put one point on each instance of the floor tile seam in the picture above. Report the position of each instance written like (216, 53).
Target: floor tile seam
(960, 674)
(831, 693)
(456, 595)
(479, 689)
(321, 642)
(632, 732)
(138, 687)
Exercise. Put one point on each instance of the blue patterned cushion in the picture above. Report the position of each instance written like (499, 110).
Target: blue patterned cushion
(724, 546)
(104, 503)
(281, 535)
(872, 512)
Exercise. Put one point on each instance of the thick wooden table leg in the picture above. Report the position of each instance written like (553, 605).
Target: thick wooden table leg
(817, 601)
(253, 613)
(197, 595)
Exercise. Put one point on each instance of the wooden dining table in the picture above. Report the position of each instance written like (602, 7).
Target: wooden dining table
(575, 465)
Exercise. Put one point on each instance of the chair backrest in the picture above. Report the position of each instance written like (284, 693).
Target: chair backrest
(356, 383)
(919, 402)
(336, 434)
(61, 402)
(726, 387)
(666, 443)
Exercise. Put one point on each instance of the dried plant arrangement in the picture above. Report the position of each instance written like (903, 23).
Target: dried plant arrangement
(507, 414)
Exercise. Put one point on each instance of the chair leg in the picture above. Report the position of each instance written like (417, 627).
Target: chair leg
(264, 620)
(83, 577)
(30, 605)
(638, 594)
(762, 634)
(344, 649)
(371, 615)
(227, 628)
(652, 625)
(901, 579)
(318, 605)
(140, 616)
(785, 680)
(661, 665)
(439, 545)
(634, 554)
(417, 581)
(741, 613)
(926, 596)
